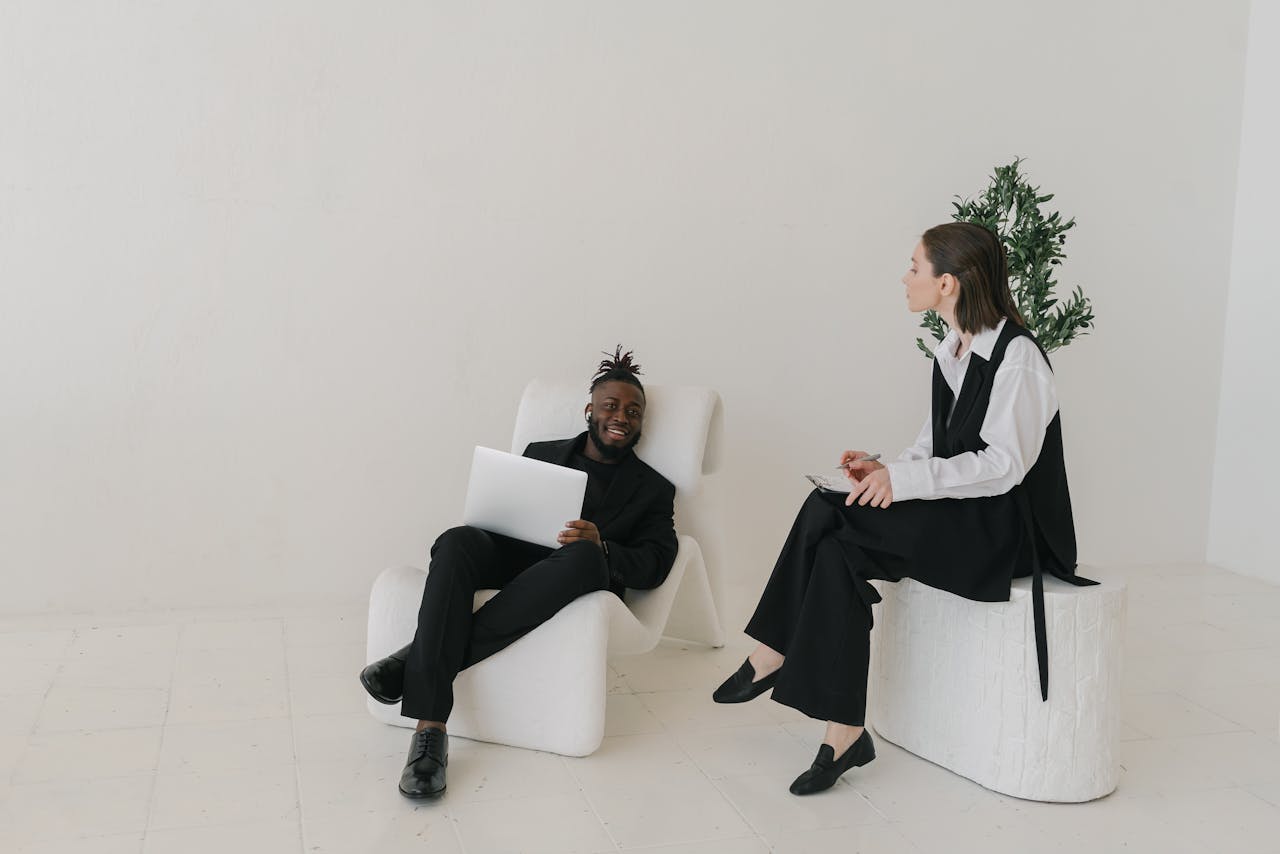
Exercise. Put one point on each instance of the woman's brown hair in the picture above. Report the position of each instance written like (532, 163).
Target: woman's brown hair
(975, 256)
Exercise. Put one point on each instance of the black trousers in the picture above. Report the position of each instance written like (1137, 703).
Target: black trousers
(534, 583)
(816, 607)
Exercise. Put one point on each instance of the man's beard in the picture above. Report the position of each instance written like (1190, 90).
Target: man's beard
(612, 453)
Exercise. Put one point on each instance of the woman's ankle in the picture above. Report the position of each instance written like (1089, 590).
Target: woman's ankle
(764, 661)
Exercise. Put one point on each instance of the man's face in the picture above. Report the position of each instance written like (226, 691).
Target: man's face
(614, 418)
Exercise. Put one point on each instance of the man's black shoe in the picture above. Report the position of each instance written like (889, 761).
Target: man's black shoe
(739, 688)
(826, 769)
(423, 775)
(384, 679)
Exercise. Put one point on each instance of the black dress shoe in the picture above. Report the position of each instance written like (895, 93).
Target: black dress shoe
(739, 688)
(384, 679)
(423, 775)
(826, 769)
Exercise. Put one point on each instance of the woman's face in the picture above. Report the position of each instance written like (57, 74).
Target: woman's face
(924, 291)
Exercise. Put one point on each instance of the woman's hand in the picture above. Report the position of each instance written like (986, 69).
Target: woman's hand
(874, 488)
(579, 529)
(855, 468)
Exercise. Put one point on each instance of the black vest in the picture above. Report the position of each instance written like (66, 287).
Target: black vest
(1045, 486)
(1027, 531)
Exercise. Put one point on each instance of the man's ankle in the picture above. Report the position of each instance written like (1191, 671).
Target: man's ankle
(431, 725)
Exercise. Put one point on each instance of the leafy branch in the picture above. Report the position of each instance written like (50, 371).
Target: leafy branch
(1033, 241)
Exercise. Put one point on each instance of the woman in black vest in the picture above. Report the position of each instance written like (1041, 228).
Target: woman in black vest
(980, 498)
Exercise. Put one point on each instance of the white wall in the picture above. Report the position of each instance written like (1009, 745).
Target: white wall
(270, 269)
(1247, 468)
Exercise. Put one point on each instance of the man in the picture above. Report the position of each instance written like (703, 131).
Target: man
(625, 538)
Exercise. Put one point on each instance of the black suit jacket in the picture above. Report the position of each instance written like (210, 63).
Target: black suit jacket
(635, 517)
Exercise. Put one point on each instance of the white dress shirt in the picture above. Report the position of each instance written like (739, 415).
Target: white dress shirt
(1023, 403)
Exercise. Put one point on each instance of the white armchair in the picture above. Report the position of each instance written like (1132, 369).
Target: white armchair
(547, 690)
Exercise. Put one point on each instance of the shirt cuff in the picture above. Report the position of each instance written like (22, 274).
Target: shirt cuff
(908, 479)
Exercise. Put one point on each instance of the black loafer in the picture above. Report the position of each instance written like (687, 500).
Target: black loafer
(423, 775)
(826, 769)
(739, 688)
(384, 679)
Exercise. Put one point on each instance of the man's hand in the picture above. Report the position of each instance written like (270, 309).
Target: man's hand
(856, 469)
(872, 488)
(579, 529)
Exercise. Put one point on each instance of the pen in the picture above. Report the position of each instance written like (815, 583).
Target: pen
(870, 458)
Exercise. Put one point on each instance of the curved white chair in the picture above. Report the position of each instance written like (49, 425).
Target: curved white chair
(547, 690)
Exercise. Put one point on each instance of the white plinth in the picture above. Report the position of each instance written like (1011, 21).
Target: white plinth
(956, 682)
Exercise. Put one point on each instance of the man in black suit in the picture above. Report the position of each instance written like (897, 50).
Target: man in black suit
(625, 538)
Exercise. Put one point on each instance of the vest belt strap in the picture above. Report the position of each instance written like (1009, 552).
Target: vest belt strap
(1037, 589)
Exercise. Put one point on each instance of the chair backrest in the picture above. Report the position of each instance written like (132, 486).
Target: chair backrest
(682, 426)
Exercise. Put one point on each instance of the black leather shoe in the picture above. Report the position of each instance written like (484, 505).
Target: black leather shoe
(423, 775)
(826, 769)
(384, 679)
(739, 688)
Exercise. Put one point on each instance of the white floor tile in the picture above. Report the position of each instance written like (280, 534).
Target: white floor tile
(125, 641)
(259, 837)
(40, 812)
(1253, 707)
(1164, 715)
(254, 636)
(747, 750)
(860, 839)
(397, 827)
(265, 730)
(628, 760)
(127, 843)
(739, 845)
(905, 788)
(326, 629)
(625, 714)
(18, 713)
(23, 676)
(559, 824)
(207, 799)
(1223, 820)
(326, 695)
(69, 708)
(349, 788)
(1269, 793)
(196, 665)
(226, 746)
(695, 710)
(140, 671)
(204, 700)
(676, 667)
(1243, 758)
(336, 660)
(680, 811)
(11, 749)
(771, 810)
(340, 738)
(35, 644)
(88, 755)
(483, 772)
(1152, 766)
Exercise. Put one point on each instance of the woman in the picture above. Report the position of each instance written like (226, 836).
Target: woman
(980, 498)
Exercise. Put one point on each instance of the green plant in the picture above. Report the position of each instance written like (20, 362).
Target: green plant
(1033, 241)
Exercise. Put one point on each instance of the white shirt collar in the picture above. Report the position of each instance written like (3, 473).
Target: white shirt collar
(983, 343)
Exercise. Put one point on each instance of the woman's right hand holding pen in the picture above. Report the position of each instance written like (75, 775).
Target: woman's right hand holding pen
(856, 467)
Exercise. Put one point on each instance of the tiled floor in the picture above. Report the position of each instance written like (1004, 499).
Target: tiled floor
(246, 732)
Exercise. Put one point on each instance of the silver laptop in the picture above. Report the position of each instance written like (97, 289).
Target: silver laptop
(522, 498)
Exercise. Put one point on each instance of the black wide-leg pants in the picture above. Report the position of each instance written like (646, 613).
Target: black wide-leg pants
(533, 584)
(816, 607)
